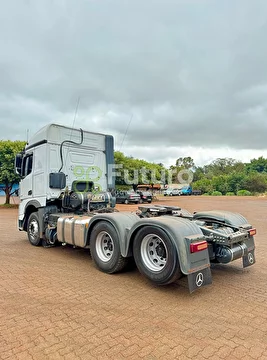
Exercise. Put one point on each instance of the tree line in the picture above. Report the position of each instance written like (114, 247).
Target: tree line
(228, 176)
(224, 176)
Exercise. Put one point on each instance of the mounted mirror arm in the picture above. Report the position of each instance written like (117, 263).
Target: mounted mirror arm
(18, 163)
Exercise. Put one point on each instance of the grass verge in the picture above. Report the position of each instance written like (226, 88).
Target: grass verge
(9, 206)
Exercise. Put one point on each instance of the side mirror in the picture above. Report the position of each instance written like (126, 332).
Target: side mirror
(18, 163)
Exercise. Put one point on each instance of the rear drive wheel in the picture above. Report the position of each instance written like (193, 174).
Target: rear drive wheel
(33, 229)
(105, 248)
(156, 256)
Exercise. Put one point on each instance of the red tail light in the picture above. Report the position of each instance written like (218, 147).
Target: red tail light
(252, 232)
(198, 246)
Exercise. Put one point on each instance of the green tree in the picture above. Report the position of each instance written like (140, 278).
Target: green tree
(223, 166)
(185, 163)
(220, 184)
(259, 165)
(199, 173)
(8, 177)
(236, 181)
(132, 171)
(256, 182)
(204, 185)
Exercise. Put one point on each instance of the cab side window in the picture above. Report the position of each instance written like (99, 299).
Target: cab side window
(27, 165)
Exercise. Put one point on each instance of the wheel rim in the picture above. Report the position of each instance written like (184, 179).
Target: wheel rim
(154, 252)
(104, 246)
(34, 230)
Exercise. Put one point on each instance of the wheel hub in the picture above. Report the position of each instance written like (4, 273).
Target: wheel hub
(33, 229)
(154, 252)
(160, 250)
(104, 246)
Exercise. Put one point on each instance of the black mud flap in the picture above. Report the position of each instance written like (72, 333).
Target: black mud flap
(199, 279)
(249, 259)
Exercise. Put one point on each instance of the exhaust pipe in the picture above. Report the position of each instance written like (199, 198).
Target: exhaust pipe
(225, 254)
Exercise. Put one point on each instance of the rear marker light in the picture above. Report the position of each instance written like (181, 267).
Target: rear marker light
(198, 246)
(252, 232)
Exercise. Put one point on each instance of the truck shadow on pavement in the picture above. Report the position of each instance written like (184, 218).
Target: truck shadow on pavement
(221, 274)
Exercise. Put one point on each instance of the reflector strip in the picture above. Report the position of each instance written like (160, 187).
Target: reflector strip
(198, 246)
(252, 232)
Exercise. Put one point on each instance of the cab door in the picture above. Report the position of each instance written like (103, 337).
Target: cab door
(26, 173)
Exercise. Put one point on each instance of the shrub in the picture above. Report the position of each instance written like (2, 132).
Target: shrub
(216, 193)
(243, 193)
(230, 193)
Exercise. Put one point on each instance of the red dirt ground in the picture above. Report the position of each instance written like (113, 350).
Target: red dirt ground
(54, 304)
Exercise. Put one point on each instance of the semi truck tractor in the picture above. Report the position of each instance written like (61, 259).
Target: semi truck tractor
(66, 197)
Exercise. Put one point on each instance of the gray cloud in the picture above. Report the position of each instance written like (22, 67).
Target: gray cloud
(190, 74)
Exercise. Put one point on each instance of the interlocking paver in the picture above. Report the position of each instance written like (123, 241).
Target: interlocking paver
(54, 304)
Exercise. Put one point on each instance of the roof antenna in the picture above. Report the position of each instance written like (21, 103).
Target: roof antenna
(69, 141)
(126, 131)
(76, 111)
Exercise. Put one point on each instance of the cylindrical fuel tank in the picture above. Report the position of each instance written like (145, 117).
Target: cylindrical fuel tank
(72, 229)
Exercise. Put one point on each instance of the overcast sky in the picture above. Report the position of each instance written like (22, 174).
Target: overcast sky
(167, 78)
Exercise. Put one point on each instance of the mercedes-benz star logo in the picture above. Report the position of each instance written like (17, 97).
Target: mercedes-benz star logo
(250, 258)
(199, 279)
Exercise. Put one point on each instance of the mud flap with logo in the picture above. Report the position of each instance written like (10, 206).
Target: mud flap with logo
(199, 279)
(249, 259)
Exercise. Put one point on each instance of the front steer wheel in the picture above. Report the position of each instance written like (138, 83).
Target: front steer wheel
(33, 229)
(156, 256)
(105, 248)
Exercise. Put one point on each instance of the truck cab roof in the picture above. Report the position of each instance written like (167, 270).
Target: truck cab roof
(55, 133)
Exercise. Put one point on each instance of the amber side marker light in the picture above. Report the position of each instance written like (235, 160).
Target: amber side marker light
(198, 246)
(252, 232)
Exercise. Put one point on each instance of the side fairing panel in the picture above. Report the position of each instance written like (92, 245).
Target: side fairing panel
(79, 163)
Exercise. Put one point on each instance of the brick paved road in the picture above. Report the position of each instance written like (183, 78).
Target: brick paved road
(55, 305)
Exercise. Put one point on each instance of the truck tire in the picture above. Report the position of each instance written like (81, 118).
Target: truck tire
(105, 248)
(156, 256)
(33, 229)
